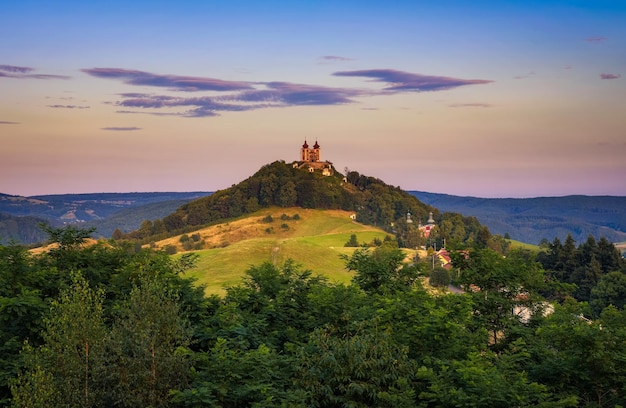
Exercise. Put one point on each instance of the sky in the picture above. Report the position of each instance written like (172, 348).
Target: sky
(472, 98)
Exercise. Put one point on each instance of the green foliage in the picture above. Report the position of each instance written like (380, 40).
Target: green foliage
(267, 219)
(381, 270)
(111, 326)
(439, 277)
(352, 242)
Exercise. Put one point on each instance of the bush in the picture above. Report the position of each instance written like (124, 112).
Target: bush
(170, 249)
(184, 238)
(268, 218)
(285, 217)
(439, 277)
(269, 230)
(284, 226)
(296, 217)
(352, 242)
(188, 245)
(195, 237)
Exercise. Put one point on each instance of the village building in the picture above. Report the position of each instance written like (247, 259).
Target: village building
(310, 159)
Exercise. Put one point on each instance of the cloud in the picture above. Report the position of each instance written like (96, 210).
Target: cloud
(595, 39)
(15, 69)
(121, 129)
(610, 76)
(69, 106)
(327, 59)
(400, 81)
(470, 105)
(174, 82)
(12, 71)
(235, 96)
(6, 122)
(526, 75)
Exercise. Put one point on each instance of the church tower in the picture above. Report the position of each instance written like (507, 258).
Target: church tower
(310, 155)
(304, 152)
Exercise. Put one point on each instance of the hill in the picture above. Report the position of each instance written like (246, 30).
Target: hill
(20, 216)
(280, 184)
(532, 219)
(314, 238)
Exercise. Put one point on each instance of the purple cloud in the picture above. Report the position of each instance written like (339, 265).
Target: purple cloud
(595, 39)
(6, 122)
(69, 106)
(610, 76)
(400, 81)
(121, 129)
(175, 82)
(334, 58)
(243, 96)
(23, 72)
(15, 69)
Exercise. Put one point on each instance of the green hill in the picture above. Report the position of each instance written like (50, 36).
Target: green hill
(313, 238)
(280, 184)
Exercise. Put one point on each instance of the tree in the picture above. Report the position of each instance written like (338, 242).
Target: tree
(147, 348)
(287, 195)
(352, 242)
(610, 290)
(381, 269)
(70, 362)
(500, 285)
(358, 370)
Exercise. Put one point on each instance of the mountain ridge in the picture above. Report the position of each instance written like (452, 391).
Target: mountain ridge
(532, 219)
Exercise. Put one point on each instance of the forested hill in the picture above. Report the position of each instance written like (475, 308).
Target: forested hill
(532, 219)
(281, 184)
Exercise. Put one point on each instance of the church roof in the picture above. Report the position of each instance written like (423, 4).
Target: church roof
(305, 145)
(316, 146)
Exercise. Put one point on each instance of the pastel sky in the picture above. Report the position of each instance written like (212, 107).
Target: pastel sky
(481, 98)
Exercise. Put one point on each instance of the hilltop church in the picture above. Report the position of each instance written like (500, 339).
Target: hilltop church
(310, 158)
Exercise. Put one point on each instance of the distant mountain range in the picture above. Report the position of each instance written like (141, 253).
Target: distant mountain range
(523, 219)
(20, 216)
(532, 219)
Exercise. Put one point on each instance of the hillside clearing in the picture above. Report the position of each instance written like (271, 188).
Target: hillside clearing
(315, 240)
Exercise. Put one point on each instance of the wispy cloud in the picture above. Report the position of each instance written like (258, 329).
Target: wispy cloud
(174, 82)
(399, 81)
(595, 39)
(68, 106)
(121, 128)
(470, 105)
(524, 76)
(237, 96)
(15, 69)
(6, 122)
(12, 71)
(327, 59)
(610, 76)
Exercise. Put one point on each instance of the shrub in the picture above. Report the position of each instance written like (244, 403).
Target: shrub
(195, 237)
(268, 218)
(285, 217)
(184, 238)
(170, 249)
(269, 230)
(439, 277)
(284, 226)
(352, 242)
(296, 217)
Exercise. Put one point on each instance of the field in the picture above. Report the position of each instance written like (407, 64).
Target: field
(315, 240)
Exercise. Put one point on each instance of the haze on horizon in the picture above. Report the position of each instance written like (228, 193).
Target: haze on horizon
(480, 98)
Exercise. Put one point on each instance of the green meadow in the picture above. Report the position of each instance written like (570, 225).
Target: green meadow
(316, 241)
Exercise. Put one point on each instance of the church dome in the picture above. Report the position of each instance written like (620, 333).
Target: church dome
(316, 146)
(305, 145)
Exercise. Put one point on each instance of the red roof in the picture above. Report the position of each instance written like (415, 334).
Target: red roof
(316, 146)
(305, 145)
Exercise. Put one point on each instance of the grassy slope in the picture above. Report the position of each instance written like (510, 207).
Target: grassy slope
(315, 241)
